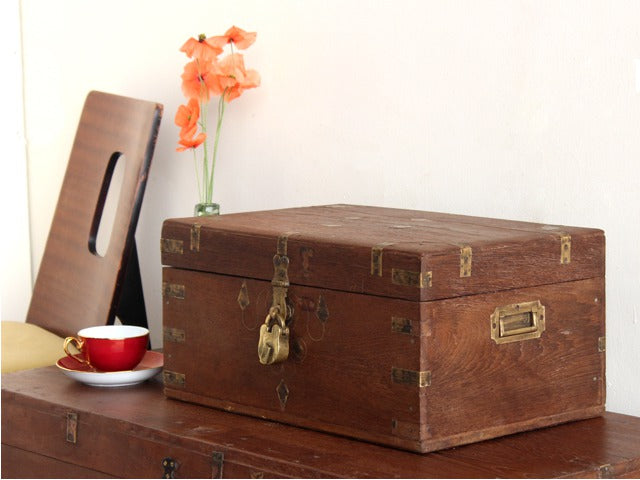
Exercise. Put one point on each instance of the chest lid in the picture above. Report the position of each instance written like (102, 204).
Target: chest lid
(407, 254)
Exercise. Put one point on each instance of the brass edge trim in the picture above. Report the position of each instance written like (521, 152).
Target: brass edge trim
(565, 249)
(173, 379)
(217, 460)
(465, 261)
(408, 278)
(411, 377)
(72, 427)
(170, 245)
(175, 335)
(402, 325)
(376, 258)
(602, 344)
(173, 290)
(194, 237)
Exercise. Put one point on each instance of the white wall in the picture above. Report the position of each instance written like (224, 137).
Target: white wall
(515, 109)
(15, 248)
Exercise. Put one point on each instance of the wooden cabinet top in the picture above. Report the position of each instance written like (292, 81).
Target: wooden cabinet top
(39, 406)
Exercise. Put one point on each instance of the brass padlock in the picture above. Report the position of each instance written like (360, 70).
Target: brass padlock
(273, 345)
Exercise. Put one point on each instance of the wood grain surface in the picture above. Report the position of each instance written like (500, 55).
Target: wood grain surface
(339, 374)
(331, 247)
(353, 272)
(127, 432)
(76, 287)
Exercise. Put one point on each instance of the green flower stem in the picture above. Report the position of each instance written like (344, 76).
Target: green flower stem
(205, 163)
(195, 163)
(221, 107)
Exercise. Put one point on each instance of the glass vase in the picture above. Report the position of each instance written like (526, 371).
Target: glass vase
(206, 209)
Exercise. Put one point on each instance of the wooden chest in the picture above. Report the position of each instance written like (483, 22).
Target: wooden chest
(54, 427)
(412, 329)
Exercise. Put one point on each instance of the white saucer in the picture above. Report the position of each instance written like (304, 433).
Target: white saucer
(150, 365)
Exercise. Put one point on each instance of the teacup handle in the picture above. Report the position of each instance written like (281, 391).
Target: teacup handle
(79, 344)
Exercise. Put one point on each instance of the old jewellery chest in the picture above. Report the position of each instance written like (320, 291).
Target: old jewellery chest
(412, 329)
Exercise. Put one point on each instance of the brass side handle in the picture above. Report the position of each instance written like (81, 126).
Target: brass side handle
(517, 322)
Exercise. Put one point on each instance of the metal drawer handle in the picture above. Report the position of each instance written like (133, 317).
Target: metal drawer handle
(516, 322)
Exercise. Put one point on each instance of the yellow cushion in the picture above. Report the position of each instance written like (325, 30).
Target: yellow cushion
(25, 346)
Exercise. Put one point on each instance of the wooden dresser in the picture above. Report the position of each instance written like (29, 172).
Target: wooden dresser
(53, 426)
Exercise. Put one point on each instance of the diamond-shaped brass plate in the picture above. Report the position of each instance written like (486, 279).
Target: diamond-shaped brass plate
(243, 296)
(322, 311)
(283, 393)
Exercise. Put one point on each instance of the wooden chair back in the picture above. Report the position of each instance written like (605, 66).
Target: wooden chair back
(76, 287)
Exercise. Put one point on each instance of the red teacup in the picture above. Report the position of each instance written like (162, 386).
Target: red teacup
(110, 348)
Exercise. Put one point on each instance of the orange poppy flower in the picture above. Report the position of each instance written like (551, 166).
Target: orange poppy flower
(199, 79)
(234, 78)
(251, 80)
(235, 35)
(231, 70)
(187, 115)
(187, 139)
(201, 48)
(206, 76)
